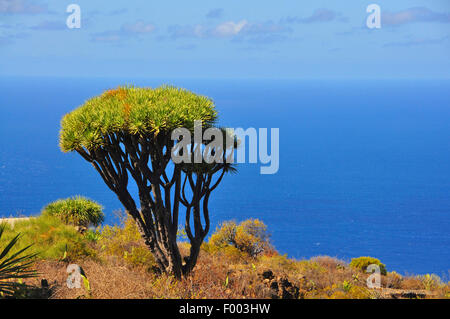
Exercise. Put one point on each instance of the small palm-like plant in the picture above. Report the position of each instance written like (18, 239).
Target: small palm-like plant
(14, 266)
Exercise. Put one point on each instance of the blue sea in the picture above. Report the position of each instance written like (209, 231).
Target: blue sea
(364, 165)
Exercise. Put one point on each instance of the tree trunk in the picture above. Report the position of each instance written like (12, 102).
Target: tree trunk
(157, 219)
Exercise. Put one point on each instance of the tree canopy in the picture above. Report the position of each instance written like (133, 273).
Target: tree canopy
(136, 111)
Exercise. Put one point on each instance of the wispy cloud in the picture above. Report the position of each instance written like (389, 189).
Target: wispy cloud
(125, 32)
(411, 15)
(318, 16)
(118, 12)
(224, 29)
(139, 27)
(260, 39)
(228, 29)
(267, 27)
(417, 42)
(9, 38)
(50, 26)
(107, 36)
(20, 7)
(215, 13)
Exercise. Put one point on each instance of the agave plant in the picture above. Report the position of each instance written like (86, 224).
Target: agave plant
(14, 266)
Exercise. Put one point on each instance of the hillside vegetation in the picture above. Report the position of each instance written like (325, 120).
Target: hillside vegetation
(238, 261)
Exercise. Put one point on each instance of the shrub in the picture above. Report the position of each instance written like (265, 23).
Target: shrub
(393, 280)
(278, 263)
(50, 237)
(348, 291)
(224, 234)
(93, 235)
(329, 263)
(362, 263)
(77, 211)
(430, 281)
(124, 241)
(250, 236)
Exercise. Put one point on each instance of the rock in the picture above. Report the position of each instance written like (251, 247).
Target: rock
(44, 283)
(291, 292)
(285, 282)
(81, 229)
(267, 274)
(274, 285)
(287, 290)
(413, 295)
(279, 288)
(389, 293)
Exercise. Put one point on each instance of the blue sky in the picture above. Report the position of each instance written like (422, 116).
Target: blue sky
(226, 39)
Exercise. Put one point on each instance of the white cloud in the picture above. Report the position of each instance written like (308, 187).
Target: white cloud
(229, 28)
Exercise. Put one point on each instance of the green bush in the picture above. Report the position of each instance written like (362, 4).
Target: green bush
(50, 238)
(124, 241)
(362, 263)
(93, 235)
(77, 211)
(250, 236)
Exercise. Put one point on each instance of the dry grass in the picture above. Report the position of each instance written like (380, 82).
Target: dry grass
(321, 277)
(121, 270)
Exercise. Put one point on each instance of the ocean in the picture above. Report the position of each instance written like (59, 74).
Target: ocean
(364, 165)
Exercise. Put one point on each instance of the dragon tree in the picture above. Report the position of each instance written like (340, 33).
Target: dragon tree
(129, 132)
